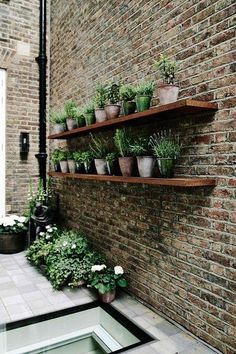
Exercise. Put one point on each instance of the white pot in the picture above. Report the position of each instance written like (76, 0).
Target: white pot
(71, 165)
(101, 166)
(64, 166)
(100, 115)
(145, 165)
(167, 93)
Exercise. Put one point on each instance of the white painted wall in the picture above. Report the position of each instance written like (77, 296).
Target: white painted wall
(2, 139)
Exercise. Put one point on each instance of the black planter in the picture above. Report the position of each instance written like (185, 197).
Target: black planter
(12, 243)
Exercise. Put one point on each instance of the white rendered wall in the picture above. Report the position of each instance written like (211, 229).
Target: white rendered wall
(2, 139)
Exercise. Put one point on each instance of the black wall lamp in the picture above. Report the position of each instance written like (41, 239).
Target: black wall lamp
(24, 144)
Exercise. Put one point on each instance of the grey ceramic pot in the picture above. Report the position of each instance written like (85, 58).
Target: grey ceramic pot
(71, 124)
(71, 166)
(101, 166)
(112, 111)
(167, 93)
(100, 115)
(145, 166)
(58, 128)
(64, 166)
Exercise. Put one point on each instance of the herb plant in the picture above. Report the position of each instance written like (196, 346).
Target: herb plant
(127, 93)
(111, 157)
(122, 142)
(57, 117)
(164, 146)
(167, 69)
(140, 146)
(55, 156)
(145, 88)
(70, 109)
(112, 93)
(78, 156)
(62, 155)
(88, 108)
(100, 96)
(98, 147)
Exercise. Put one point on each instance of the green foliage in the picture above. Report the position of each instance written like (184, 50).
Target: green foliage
(70, 109)
(167, 69)
(55, 156)
(62, 155)
(113, 93)
(123, 142)
(100, 96)
(145, 88)
(70, 155)
(164, 146)
(43, 197)
(111, 157)
(89, 108)
(79, 116)
(99, 147)
(57, 117)
(127, 93)
(140, 146)
(78, 156)
(13, 224)
(105, 279)
(86, 159)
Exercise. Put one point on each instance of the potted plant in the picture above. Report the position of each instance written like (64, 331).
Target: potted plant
(126, 161)
(89, 113)
(78, 161)
(100, 100)
(113, 107)
(168, 91)
(87, 159)
(79, 115)
(127, 95)
(71, 162)
(13, 233)
(58, 119)
(111, 161)
(70, 110)
(62, 158)
(145, 161)
(105, 280)
(99, 150)
(144, 94)
(55, 160)
(166, 150)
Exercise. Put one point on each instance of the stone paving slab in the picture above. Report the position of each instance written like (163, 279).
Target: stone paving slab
(24, 292)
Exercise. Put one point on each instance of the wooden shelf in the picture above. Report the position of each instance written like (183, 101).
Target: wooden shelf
(185, 106)
(176, 182)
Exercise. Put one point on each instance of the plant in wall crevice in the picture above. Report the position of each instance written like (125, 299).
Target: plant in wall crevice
(166, 149)
(167, 91)
(145, 161)
(127, 95)
(112, 108)
(144, 94)
(70, 110)
(99, 147)
(123, 143)
(100, 101)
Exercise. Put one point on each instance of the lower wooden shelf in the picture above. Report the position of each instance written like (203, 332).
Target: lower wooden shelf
(176, 182)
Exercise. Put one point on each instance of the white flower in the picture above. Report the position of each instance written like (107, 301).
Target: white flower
(54, 228)
(65, 243)
(48, 237)
(48, 227)
(20, 224)
(41, 233)
(22, 219)
(73, 246)
(98, 268)
(50, 230)
(118, 270)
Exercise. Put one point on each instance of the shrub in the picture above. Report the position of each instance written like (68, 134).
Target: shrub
(145, 88)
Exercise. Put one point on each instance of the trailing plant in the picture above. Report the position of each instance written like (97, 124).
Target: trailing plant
(57, 117)
(100, 96)
(145, 88)
(164, 145)
(99, 147)
(167, 69)
(123, 142)
(113, 93)
(140, 146)
(70, 109)
(106, 279)
(89, 108)
(127, 92)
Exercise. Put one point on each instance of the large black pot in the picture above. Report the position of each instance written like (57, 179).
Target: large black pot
(12, 243)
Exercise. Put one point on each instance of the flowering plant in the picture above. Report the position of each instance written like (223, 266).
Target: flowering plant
(13, 224)
(105, 279)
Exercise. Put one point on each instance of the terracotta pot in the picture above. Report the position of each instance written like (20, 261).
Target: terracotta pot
(143, 102)
(107, 297)
(100, 115)
(112, 111)
(145, 165)
(71, 166)
(129, 107)
(64, 166)
(71, 124)
(126, 166)
(101, 166)
(166, 167)
(167, 93)
(58, 128)
(12, 243)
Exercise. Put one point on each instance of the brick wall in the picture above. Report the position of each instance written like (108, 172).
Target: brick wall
(177, 244)
(18, 49)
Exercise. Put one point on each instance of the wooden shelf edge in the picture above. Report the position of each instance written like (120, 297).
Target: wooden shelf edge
(175, 106)
(175, 182)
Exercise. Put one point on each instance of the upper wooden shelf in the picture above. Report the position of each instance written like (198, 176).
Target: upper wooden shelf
(185, 106)
(175, 182)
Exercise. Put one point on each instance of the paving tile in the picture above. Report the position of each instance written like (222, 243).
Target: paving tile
(12, 300)
(197, 349)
